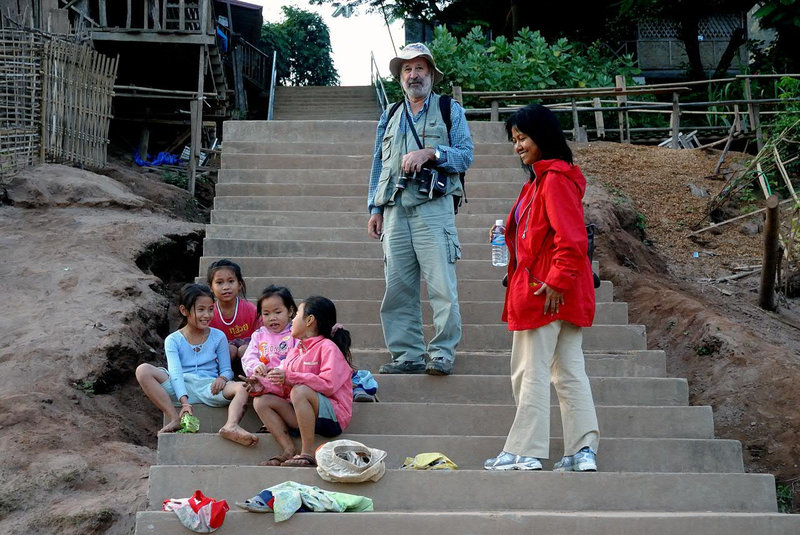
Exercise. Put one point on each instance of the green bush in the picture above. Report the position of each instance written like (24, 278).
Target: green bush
(528, 62)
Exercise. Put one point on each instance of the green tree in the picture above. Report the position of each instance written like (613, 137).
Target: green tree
(303, 44)
(784, 17)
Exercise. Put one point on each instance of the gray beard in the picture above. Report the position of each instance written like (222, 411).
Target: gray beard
(416, 91)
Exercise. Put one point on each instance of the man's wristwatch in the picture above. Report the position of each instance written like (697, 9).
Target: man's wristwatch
(437, 154)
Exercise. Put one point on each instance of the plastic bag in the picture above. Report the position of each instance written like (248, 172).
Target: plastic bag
(348, 461)
(198, 513)
(429, 461)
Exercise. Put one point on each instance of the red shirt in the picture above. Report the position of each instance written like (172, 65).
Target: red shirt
(548, 245)
(241, 325)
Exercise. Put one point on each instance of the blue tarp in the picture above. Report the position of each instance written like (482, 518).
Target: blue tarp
(163, 158)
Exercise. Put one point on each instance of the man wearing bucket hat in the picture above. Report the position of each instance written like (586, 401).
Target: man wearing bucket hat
(414, 176)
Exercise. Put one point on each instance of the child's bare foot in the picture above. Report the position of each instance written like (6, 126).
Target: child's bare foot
(171, 427)
(237, 434)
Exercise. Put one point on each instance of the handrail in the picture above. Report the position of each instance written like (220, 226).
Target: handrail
(375, 76)
(254, 63)
(271, 107)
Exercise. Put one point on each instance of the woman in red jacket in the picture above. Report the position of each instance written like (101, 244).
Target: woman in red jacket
(550, 296)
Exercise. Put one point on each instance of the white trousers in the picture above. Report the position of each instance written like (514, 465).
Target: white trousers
(538, 356)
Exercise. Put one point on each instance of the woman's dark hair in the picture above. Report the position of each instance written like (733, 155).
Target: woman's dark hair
(189, 295)
(542, 126)
(233, 266)
(324, 311)
(282, 292)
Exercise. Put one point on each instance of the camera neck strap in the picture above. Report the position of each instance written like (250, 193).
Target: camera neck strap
(411, 125)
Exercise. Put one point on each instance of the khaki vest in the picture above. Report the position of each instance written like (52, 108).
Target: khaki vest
(432, 131)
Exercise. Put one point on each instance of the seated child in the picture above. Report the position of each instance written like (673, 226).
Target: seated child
(316, 391)
(269, 345)
(198, 363)
(234, 315)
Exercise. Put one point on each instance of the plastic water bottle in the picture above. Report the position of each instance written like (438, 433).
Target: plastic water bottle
(499, 249)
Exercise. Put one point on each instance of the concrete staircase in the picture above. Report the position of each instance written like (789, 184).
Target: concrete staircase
(326, 103)
(290, 208)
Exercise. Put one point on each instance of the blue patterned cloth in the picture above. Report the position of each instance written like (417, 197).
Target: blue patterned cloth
(456, 158)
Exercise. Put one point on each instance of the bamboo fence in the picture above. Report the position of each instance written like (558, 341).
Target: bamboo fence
(20, 100)
(76, 103)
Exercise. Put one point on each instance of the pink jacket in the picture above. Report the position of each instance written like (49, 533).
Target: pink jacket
(317, 363)
(268, 348)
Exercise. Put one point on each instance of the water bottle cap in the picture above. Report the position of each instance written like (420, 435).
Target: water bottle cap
(499, 222)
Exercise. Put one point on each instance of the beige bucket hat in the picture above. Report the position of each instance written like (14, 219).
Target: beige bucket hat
(411, 51)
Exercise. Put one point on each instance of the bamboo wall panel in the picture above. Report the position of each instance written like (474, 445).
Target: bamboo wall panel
(20, 100)
(78, 85)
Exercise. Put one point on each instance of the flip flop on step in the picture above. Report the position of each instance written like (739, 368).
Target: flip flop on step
(275, 460)
(303, 460)
(258, 503)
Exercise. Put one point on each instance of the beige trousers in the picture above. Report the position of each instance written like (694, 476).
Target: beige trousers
(538, 356)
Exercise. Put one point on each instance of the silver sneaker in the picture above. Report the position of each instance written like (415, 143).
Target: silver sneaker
(583, 461)
(509, 461)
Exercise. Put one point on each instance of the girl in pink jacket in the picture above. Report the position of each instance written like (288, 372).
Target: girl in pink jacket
(267, 349)
(317, 394)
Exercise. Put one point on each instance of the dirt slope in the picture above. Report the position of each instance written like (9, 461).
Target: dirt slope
(81, 253)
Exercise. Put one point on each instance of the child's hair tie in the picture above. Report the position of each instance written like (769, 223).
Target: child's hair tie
(336, 327)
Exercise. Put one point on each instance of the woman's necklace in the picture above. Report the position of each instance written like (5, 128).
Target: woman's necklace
(197, 348)
(235, 312)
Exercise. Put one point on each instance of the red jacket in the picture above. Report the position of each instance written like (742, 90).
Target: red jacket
(548, 245)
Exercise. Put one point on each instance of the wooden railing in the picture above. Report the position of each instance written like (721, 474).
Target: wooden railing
(735, 116)
(256, 65)
(183, 16)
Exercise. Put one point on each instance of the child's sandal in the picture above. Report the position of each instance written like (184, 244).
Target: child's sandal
(301, 461)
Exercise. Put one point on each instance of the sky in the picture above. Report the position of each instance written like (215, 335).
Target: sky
(352, 39)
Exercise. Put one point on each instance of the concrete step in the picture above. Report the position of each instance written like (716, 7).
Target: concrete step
(496, 390)
(372, 268)
(366, 311)
(506, 523)
(616, 455)
(339, 219)
(479, 236)
(352, 176)
(334, 147)
(336, 267)
(354, 202)
(641, 363)
(341, 131)
(351, 161)
(477, 191)
(465, 490)
(467, 420)
(326, 114)
(266, 247)
(477, 337)
(345, 288)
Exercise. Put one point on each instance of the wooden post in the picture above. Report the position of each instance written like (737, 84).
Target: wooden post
(146, 14)
(495, 115)
(181, 15)
(737, 122)
(748, 95)
(575, 121)
(757, 126)
(619, 82)
(128, 15)
(196, 111)
(769, 263)
(144, 142)
(598, 118)
(457, 95)
(675, 119)
(101, 7)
